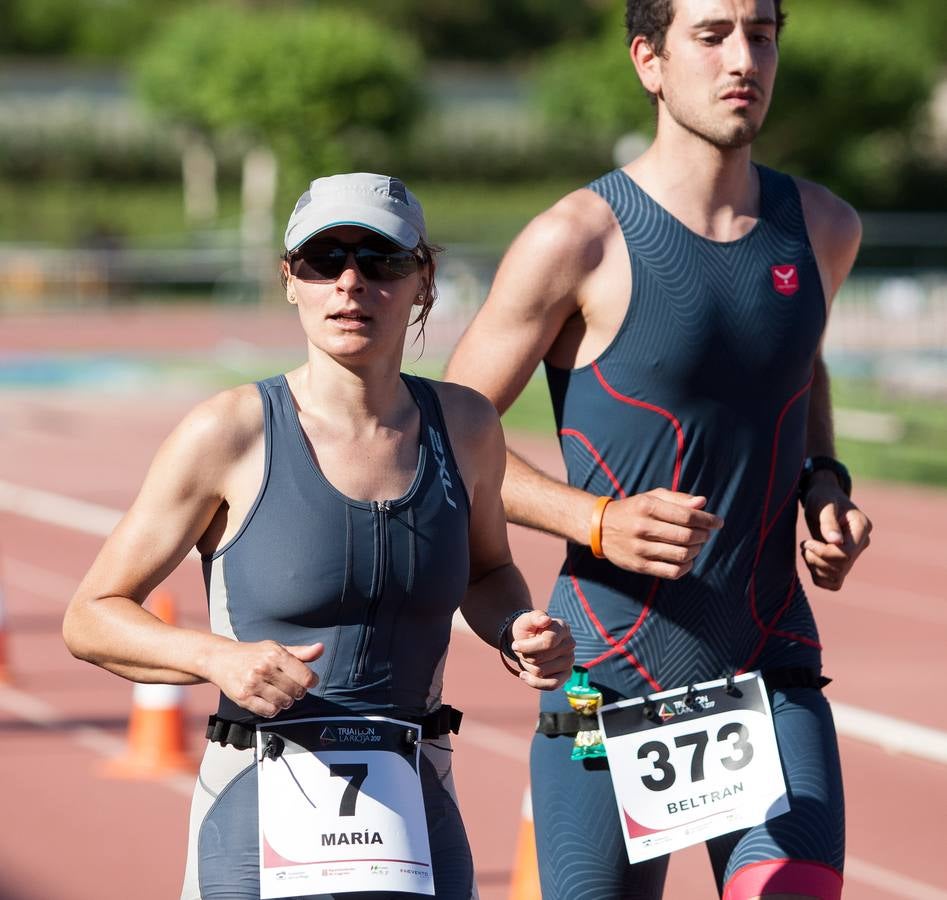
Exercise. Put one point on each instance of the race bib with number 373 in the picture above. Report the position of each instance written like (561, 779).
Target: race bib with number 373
(692, 764)
(341, 808)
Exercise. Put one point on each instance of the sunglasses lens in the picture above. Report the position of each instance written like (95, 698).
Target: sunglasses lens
(376, 260)
(388, 264)
(319, 262)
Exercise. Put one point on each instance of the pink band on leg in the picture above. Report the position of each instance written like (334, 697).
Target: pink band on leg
(784, 876)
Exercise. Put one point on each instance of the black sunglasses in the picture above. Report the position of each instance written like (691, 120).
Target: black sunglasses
(376, 258)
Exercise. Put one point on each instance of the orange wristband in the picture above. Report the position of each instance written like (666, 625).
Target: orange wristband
(595, 527)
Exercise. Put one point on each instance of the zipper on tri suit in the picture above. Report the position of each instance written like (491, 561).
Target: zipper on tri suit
(380, 510)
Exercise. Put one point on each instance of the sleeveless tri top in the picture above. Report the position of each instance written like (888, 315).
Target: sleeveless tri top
(376, 581)
(704, 389)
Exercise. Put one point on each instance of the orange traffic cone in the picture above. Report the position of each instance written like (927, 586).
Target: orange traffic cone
(5, 675)
(524, 884)
(156, 745)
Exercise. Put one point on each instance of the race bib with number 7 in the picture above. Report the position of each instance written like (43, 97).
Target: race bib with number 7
(693, 763)
(341, 808)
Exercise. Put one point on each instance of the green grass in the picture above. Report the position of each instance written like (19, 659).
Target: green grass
(919, 455)
(485, 214)
(68, 213)
(531, 412)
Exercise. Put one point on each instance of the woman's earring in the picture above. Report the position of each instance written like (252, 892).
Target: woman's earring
(291, 297)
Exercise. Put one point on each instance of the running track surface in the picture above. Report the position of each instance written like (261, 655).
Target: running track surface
(72, 834)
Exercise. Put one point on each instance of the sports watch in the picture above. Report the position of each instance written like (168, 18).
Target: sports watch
(815, 464)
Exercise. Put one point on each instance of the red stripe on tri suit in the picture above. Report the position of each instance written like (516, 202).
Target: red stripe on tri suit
(571, 432)
(767, 629)
(617, 646)
(678, 431)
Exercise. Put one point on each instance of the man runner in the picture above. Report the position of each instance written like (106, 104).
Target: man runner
(679, 305)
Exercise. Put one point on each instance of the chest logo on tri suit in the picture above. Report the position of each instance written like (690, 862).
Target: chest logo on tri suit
(438, 447)
(785, 279)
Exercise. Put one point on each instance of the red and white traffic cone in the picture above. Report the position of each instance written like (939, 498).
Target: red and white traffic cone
(156, 743)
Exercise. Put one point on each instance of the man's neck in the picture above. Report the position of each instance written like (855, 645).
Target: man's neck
(714, 191)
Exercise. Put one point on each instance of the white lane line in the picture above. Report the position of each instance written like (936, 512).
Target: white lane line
(38, 580)
(55, 509)
(41, 714)
(891, 734)
(891, 882)
(66, 512)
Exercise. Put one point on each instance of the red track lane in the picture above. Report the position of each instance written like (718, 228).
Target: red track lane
(73, 835)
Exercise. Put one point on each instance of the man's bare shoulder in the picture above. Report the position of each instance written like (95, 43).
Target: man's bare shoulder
(571, 231)
(834, 231)
(832, 222)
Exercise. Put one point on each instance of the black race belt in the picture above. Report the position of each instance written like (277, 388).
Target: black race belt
(442, 721)
(571, 723)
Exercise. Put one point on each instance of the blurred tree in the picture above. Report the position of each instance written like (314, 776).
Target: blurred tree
(847, 99)
(98, 29)
(306, 84)
(492, 30)
(446, 29)
(298, 90)
(593, 86)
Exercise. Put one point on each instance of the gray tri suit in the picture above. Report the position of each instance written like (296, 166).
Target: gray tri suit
(378, 583)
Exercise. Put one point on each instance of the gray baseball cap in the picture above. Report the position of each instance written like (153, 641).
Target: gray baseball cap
(378, 202)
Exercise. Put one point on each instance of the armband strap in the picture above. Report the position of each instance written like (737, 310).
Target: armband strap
(505, 642)
(595, 527)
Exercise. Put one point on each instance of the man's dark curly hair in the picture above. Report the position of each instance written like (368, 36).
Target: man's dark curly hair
(652, 18)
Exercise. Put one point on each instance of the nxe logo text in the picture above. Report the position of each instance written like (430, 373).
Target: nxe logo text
(438, 446)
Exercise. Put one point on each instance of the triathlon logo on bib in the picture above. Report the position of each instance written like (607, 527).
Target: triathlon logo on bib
(785, 279)
(438, 447)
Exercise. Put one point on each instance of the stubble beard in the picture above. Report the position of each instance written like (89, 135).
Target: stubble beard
(738, 132)
(737, 136)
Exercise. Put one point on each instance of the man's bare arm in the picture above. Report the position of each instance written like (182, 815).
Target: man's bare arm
(540, 284)
(839, 529)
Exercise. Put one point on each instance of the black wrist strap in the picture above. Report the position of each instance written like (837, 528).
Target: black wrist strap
(815, 464)
(504, 636)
